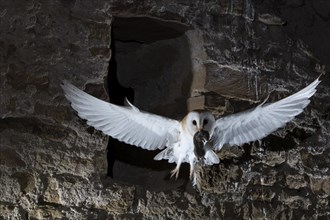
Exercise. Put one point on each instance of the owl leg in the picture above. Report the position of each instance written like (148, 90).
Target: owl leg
(192, 168)
(176, 170)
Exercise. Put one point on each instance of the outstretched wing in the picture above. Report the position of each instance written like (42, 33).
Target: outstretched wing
(125, 123)
(257, 123)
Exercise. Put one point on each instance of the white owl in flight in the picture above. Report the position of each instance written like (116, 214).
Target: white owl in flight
(195, 138)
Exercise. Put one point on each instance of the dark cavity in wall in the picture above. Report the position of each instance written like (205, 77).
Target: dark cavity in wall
(151, 66)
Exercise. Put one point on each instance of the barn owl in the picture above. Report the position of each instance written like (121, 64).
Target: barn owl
(197, 137)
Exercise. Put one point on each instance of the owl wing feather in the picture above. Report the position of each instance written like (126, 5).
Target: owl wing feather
(125, 123)
(259, 122)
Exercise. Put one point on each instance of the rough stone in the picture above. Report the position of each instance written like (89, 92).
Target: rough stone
(51, 194)
(264, 194)
(296, 202)
(10, 212)
(241, 84)
(318, 184)
(222, 55)
(26, 181)
(11, 158)
(295, 181)
(44, 212)
(271, 19)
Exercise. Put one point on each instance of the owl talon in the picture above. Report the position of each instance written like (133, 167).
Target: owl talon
(175, 173)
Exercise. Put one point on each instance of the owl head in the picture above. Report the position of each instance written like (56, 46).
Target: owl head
(198, 120)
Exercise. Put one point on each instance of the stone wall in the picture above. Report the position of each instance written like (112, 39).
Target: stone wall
(53, 166)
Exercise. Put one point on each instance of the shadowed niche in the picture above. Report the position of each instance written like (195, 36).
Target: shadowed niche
(151, 66)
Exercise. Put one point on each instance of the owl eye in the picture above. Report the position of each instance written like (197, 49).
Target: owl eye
(194, 122)
(205, 122)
